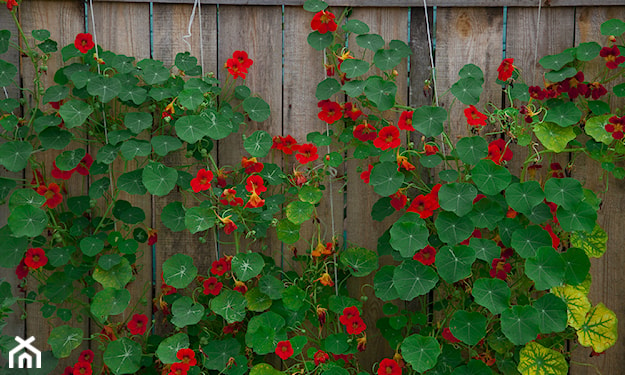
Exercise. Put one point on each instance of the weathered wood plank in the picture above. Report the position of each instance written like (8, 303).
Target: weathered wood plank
(607, 272)
(467, 36)
(402, 3)
(361, 230)
(420, 64)
(64, 19)
(169, 26)
(258, 31)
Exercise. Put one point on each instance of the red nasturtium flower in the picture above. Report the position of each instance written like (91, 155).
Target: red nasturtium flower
(152, 236)
(426, 256)
(322, 312)
(365, 132)
(251, 165)
(555, 240)
(86, 356)
(179, 368)
(240, 287)
(389, 366)
(21, 271)
(243, 59)
(202, 181)
(35, 258)
(323, 22)
(330, 111)
(320, 357)
(59, 174)
(351, 111)
(612, 57)
(424, 205)
(82, 368)
(475, 117)
(284, 144)
(616, 127)
(402, 162)
(405, 121)
(284, 349)
(229, 225)
(187, 356)
(349, 313)
(69, 370)
(255, 184)
(447, 335)
(536, 93)
(430, 149)
(11, 4)
(366, 175)
(212, 286)
(255, 201)
(51, 193)
(499, 151)
(84, 42)
(138, 324)
(398, 200)
(306, 152)
(355, 326)
(505, 69)
(574, 86)
(235, 68)
(229, 197)
(388, 137)
(220, 266)
(83, 167)
(500, 268)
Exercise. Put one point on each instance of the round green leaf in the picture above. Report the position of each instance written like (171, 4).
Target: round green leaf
(468, 327)
(486, 214)
(520, 324)
(191, 98)
(581, 217)
(354, 68)
(164, 144)
(288, 232)
(123, 356)
(490, 178)
(430, 161)
(299, 212)
(257, 301)
(74, 113)
(337, 343)
(613, 26)
(587, 51)
(467, 90)
(69, 160)
(457, 197)
(577, 266)
(413, 279)
(28, 221)
(527, 240)
(310, 194)
(356, 27)
(454, 263)
(168, 348)
(556, 62)
(117, 277)
(230, 305)
(135, 147)
(108, 261)
(64, 339)
(471, 149)
(359, 261)
(132, 182)
(14, 155)
(256, 108)
(536, 359)
(485, 249)
(173, 216)
(565, 192)
(595, 127)
(522, 197)
(179, 271)
(384, 285)
(327, 88)
(354, 88)
(271, 286)
(409, 237)
(386, 59)
(429, 120)
(138, 121)
(109, 301)
(218, 353)
(55, 94)
(386, 179)
(372, 42)
(421, 352)
(106, 88)
(552, 312)
(492, 293)
(54, 138)
(563, 114)
(26, 196)
(554, 137)
(381, 92)
(258, 144)
(91, 246)
(198, 219)
(293, 297)
(320, 41)
(546, 269)
(560, 75)
(264, 332)
(7, 73)
(159, 179)
(13, 248)
(191, 128)
(185, 312)
(453, 229)
(247, 265)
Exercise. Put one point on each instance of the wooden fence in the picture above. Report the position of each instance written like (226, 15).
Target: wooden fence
(284, 70)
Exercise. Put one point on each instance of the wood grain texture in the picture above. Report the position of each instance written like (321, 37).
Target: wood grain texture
(64, 19)
(420, 64)
(258, 31)
(467, 36)
(170, 25)
(401, 3)
(607, 271)
(362, 231)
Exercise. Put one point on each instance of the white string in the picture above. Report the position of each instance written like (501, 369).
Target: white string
(197, 5)
(540, 3)
(6, 93)
(427, 25)
(188, 35)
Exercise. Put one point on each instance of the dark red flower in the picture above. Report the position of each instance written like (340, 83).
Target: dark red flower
(536, 93)
(284, 144)
(235, 68)
(220, 267)
(388, 137)
(498, 151)
(389, 367)
(430, 149)
(59, 174)
(555, 240)
(616, 127)
(255, 184)
(426, 256)
(84, 165)
(35, 258)
(228, 197)
(574, 86)
(82, 368)
(152, 236)
(447, 335)
(51, 193)
(350, 111)
(243, 59)
(284, 349)
(405, 121)
(221, 178)
(500, 268)
(84, 42)
(21, 271)
(69, 370)
(596, 90)
(212, 286)
(475, 117)
(365, 132)
(179, 368)
(612, 57)
(187, 356)
(229, 225)
(251, 165)
(555, 170)
(398, 200)
(330, 111)
(320, 357)
(323, 22)
(505, 69)
(355, 326)
(202, 181)
(86, 356)
(138, 324)
(306, 152)
(37, 179)
(349, 313)
(365, 175)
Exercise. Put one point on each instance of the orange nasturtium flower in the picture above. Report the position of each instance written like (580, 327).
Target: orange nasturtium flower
(326, 279)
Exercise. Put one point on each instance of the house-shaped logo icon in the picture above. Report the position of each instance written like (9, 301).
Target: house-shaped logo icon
(24, 360)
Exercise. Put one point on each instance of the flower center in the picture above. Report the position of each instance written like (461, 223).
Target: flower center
(324, 18)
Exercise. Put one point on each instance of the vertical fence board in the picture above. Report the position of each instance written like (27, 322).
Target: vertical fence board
(361, 229)
(125, 29)
(420, 64)
(258, 31)
(169, 26)
(607, 272)
(463, 36)
(64, 19)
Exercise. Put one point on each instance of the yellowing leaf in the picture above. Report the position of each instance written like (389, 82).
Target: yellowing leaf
(576, 302)
(599, 329)
(554, 137)
(535, 359)
(593, 243)
(584, 287)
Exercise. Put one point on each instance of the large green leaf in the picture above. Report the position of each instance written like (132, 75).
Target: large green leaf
(557, 62)
(173, 216)
(552, 312)
(191, 128)
(485, 249)
(563, 114)
(354, 67)
(132, 182)
(453, 229)
(138, 121)
(164, 144)
(14, 155)
(527, 240)
(520, 324)
(109, 301)
(554, 137)
(471, 149)
(408, 237)
(257, 301)
(217, 353)
(198, 219)
(64, 339)
(565, 192)
(577, 266)
(54, 138)
(116, 277)
(179, 271)
(457, 197)
(13, 248)
(258, 144)
(486, 214)
(230, 305)
(168, 348)
(299, 212)
(490, 178)
(412, 279)
(421, 352)
(123, 356)
(492, 293)
(429, 120)
(524, 196)
(287, 231)
(384, 284)
(577, 304)
(536, 359)
(257, 109)
(159, 179)
(359, 261)
(546, 269)
(380, 92)
(106, 88)
(467, 90)
(372, 42)
(264, 332)
(595, 127)
(327, 88)
(613, 26)
(386, 179)
(580, 217)
(186, 312)
(320, 41)
(7, 73)
(468, 327)
(28, 221)
(74, 113)
(247, 265)
(454, 263)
